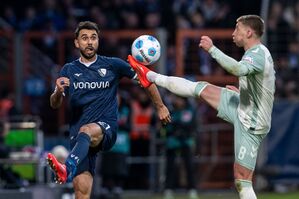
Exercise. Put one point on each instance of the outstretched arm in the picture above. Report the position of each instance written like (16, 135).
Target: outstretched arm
(229, 64)
(163, 112)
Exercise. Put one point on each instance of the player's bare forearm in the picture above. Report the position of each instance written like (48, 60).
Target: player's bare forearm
(154, 94)
(163, 112)
(56, 99)
(57, 96)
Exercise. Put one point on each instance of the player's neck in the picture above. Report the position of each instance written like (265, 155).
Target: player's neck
(251, 44)
(86, 61)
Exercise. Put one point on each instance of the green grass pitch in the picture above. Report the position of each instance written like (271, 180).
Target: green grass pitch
(219, 195)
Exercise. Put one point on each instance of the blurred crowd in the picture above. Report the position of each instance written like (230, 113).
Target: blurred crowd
(283, 42)
(54, 16)
(117, 14)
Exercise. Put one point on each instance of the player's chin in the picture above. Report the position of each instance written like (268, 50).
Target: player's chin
(238, 43)
(89, 54)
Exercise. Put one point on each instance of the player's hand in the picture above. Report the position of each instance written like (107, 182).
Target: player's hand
(61, 83)
(231, 87)
(164, 115)
(205, 43)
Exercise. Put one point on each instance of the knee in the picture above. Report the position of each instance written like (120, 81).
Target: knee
(94, 132)
(241, 172)
(86, 129)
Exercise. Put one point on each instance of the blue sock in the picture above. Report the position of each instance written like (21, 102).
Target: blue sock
(71, 169)
(77, 154)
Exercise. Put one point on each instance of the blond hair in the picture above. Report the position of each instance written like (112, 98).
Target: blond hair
(255, 22)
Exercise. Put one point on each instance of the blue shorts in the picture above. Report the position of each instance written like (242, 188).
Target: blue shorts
(109, 138)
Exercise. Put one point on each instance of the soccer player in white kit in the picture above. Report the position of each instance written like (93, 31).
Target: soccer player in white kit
(248, 108)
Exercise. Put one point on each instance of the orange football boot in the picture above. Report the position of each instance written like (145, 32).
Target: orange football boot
(141, 71)
(58, 168)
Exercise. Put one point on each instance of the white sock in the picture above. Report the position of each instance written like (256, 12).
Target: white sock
(247, 193)
(151, 76)
(177, 85)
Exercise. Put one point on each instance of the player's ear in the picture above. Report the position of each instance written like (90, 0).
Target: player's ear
(249, 32)
(76, 43)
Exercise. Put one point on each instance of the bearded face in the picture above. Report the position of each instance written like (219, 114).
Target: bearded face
(87, 42)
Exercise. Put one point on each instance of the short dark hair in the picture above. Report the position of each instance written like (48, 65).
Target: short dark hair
(253, 21)
(86, 25)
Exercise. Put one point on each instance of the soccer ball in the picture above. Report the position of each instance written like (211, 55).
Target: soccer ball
(146, 49)
(60, 152)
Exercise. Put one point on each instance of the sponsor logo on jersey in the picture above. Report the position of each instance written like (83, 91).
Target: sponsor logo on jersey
(91, 85)
(102, 72)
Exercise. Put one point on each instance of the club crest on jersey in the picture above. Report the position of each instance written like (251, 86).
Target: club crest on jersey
(248, 59)
(102, 72)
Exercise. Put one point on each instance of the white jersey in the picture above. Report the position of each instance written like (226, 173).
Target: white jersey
(256, 83)
(257, 90)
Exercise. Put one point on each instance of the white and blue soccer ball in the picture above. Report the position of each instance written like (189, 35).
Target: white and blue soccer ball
(146, 49)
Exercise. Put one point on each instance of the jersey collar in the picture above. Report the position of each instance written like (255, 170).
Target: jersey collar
(89, 63)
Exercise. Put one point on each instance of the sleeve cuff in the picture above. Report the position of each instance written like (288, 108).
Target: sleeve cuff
(212, 49)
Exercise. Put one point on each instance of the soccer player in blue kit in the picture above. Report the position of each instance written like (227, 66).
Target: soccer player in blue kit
(91, 83)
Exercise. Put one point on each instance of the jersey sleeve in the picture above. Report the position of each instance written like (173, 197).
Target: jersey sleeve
(63, 71)
(123, 68)
(252, 62)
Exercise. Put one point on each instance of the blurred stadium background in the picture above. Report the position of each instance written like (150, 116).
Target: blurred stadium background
(36, 39)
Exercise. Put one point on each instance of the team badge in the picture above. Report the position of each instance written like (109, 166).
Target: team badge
(102, 72)
(248, 59)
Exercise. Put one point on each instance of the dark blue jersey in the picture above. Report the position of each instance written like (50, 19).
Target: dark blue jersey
(93, 90)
